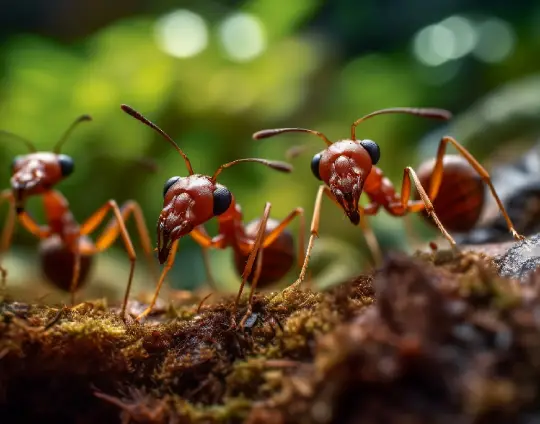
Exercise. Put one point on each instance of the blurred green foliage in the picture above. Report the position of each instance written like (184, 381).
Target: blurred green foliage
(211, 104)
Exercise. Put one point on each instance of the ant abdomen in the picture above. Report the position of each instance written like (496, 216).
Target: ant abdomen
(278, 258)
(57, 262)
(460, 199)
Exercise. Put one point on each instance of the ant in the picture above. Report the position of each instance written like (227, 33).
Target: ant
(189, 202)
(347, 168)
(65, 249)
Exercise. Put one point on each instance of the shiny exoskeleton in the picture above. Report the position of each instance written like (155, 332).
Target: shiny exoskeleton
(65, 249)
(461, 195)
(189, 202)
(348, 168)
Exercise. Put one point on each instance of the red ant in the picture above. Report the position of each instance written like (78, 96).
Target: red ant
(347, 168)
(66, 251)
(189, 202)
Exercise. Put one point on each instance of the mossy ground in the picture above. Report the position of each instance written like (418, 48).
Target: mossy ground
(430, 338)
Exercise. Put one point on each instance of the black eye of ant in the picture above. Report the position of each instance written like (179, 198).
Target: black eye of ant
(14, 163)
(315, 165)
(168, 184)
(66, 165)
(373, 150)
(222, 200)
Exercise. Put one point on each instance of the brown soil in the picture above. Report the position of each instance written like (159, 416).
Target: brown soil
(435, 338)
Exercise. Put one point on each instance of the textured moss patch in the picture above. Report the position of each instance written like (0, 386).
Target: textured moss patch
(425, 339)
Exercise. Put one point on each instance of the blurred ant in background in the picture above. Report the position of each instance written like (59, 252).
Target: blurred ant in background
(347, 168)
(189, 202)
(66, 251)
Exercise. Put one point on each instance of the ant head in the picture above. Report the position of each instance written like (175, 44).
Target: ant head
(345, 165)
(37, 172)
(193, 200)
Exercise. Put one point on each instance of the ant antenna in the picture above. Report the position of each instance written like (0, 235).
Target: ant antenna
(82, 118)
(139, 117)
(431, 113)
(278, 166)
(28, 143)
(270, 133)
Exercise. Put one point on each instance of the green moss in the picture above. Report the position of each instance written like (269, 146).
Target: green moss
(378, 344)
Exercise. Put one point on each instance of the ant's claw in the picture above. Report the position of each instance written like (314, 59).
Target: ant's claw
(516, 235)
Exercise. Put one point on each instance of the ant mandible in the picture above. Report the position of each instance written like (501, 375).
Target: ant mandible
(189, 202)
(347, 168)
(66, 250)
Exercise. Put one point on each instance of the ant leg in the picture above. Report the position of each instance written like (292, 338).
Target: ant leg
(166, 269)
(107, 238)
(206, 242)
(314, 233)
(113, 229)
(437, 175)
(406, 205)
(258, 269)
(369, 235)
(208, 268)
(257, 244)
(371, 238)
(274, 234)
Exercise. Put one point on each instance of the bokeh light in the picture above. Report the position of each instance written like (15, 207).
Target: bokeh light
(242, 36)
(181, 33)
(496, 40)
(447, 40)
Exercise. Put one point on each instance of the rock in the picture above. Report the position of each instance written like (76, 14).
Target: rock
(521, 259)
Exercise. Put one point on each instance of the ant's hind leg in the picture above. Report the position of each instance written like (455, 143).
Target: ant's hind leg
(107, 238)
(437, 175)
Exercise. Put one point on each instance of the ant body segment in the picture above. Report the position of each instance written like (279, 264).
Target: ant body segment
(189, 202)
(460, 184)
(348, 168)
(66, 251)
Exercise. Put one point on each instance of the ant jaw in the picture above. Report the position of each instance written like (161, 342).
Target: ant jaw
(354, 217)
(163, 254)
(166, 239)
(349, 200)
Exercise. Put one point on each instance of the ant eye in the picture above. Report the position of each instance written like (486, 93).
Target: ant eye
(14, 162)
(66, 165)
(373, 150)
(168, 184)
(315, 165)
(222, 200)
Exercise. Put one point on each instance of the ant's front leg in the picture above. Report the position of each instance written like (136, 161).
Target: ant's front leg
(200, 237)
(206, 242)
(315, 221)
(106, 239)
(41, 232)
